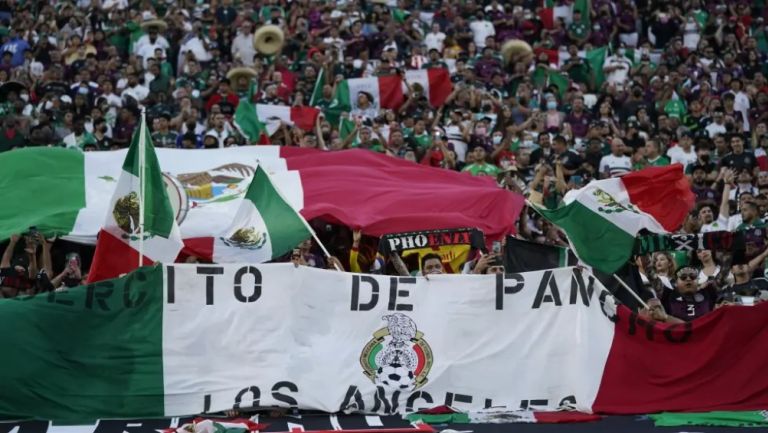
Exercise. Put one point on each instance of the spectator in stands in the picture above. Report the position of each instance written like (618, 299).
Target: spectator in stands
(686, 301)
(431, 264)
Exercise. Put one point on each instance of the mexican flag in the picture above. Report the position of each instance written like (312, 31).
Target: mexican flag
(247, 122)
(265, 227)
(118, 246)
(384, 92)
(596, 59)
(72, 190)
(603, 218)
(435, 82)
(303, 117)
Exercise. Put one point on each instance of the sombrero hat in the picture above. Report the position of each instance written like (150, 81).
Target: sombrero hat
(162, 25)
(235, 73)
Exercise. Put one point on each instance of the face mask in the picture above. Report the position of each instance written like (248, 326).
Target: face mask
(496, 139)
(82, 90)
(551, 105)
(596, 27)
(24, 97)
(622, 51)
(637, 93)
(527, 143)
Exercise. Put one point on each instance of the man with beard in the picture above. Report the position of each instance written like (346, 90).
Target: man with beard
(700, 186)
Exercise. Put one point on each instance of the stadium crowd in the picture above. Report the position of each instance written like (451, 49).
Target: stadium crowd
(614, 86)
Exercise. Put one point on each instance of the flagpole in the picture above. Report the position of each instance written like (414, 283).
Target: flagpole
(142, 180)
(631, 292)
(304, 221)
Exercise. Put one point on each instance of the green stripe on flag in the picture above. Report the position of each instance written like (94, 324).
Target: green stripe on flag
(595, 240)
(596, 59)
(42, 187)
(108, 363)
(158, 212)
(285, 227)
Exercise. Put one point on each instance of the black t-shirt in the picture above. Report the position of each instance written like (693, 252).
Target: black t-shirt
(571, 160)
(539, 155)
(739, 162)
(690, 306)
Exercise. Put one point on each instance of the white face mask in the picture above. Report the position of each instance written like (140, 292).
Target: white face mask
(24, 97)
(527, 143)
(496, 139)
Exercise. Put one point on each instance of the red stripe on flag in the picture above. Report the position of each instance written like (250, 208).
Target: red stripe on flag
(391, 91)
(716, 362)
(662, 192)
(440, 86)
(335, 183)
(112, 258)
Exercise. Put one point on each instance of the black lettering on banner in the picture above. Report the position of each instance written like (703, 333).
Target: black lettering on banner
(206, 403)
(525, 404)
(60, 298)
(239, 284)
(418, 395)
(357, 281)
(287, 399)
(380, 401)
(170, 284)
(578, 287)
(99, 292)
(209, 272)
(488, 403)
(636, 321)
(502, 289)
(130, 301)
(672, 334)
(547, 281)
(353, 401)
(254, 390)
(567, 401)
(604, 297)
(451, 398)
(395, 293)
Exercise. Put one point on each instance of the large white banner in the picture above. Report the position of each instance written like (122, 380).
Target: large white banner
(245, 335)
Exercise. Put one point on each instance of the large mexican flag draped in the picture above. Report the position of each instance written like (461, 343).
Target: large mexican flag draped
(68, 192)
(186, 339)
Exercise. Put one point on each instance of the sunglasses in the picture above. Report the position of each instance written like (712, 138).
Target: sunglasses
(687, 277)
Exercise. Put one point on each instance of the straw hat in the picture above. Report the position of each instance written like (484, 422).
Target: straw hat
(239, 71)
(162, 25)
